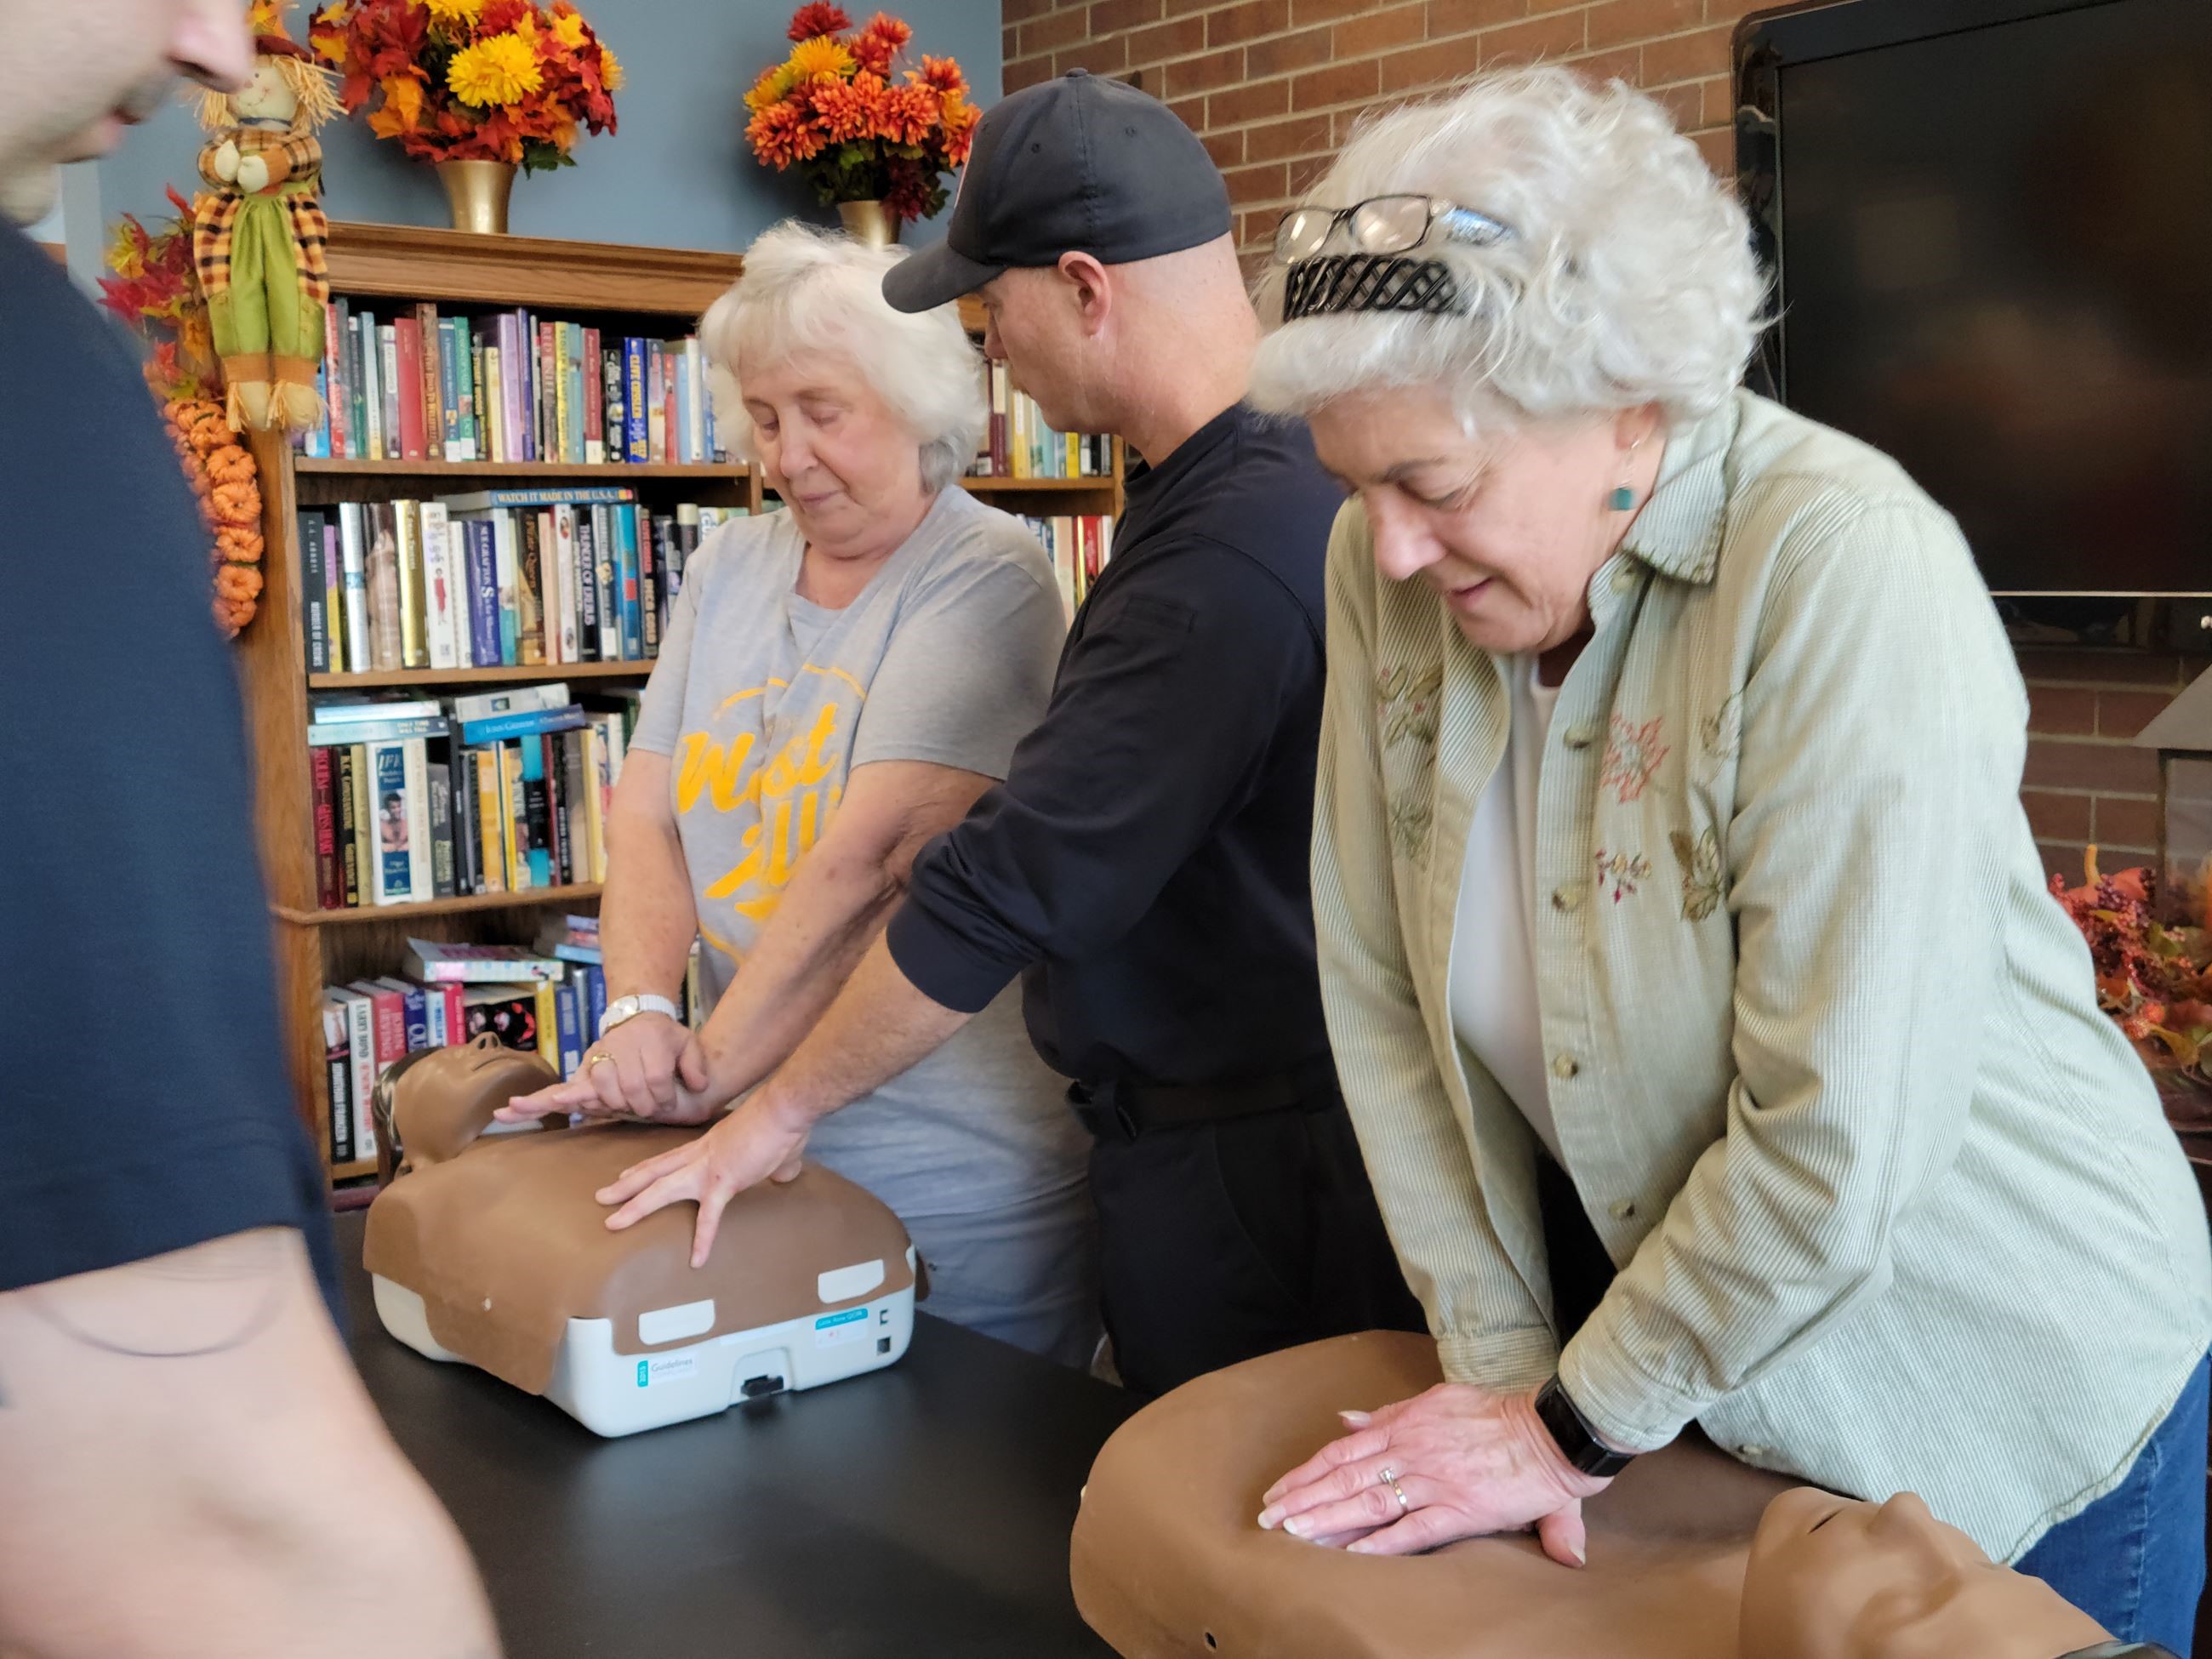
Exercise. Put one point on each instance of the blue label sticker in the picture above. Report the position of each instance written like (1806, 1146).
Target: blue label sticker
(641, 1373)
(850, 1326)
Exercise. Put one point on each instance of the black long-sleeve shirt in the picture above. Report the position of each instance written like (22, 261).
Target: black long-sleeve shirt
(1145, 862)
(127, 838)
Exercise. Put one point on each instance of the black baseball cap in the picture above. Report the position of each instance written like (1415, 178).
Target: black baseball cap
(1079, 164)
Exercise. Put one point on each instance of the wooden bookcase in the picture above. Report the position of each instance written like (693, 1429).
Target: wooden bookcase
(626, 289)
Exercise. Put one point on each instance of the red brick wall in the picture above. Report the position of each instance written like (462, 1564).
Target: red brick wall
(1274, 88)
(2085, 782)
(1273, 85)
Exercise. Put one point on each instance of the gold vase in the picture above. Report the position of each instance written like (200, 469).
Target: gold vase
(869, 224)
(477, 192)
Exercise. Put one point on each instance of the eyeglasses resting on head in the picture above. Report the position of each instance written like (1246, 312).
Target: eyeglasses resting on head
(1384, 224)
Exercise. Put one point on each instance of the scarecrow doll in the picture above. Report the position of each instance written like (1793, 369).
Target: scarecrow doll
(258, 239)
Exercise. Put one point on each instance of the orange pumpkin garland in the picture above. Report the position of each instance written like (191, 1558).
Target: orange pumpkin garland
(224, 477)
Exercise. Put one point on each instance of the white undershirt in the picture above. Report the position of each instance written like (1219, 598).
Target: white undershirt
(1493, 959)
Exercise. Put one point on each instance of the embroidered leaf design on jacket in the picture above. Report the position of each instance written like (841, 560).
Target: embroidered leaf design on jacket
(1701, 872)
(1632, 754)
(1406, 702)
(1409, 826)
(1720, 734)
(1409, 703)
(1624, 871)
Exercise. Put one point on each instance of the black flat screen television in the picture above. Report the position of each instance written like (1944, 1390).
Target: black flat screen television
(1990, 225)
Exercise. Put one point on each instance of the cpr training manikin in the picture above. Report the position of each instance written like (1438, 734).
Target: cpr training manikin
(490, 1248)
(1168, 1560)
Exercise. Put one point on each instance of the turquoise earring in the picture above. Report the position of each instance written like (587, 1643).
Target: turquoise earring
(1621, 499)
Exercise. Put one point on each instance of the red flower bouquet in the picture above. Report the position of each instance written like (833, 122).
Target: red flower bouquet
(838, 110)
(472, 80)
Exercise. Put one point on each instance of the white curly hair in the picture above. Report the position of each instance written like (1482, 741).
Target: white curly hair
(1629, 278)
(810, 289)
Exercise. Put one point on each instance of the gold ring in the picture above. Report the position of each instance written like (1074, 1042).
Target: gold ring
(596, 1058)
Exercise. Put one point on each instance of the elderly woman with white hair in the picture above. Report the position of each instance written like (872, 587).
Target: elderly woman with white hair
(1715, 1048)
(839, 682)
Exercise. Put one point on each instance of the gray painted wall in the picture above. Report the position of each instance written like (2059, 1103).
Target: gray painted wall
(52, 228)
(678, 175)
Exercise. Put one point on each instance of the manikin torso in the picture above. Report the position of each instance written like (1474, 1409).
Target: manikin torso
(1168, 1559)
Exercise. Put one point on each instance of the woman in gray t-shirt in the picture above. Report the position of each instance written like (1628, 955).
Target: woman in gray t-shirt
(839, 682)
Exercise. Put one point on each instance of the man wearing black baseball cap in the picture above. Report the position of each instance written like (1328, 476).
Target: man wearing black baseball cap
(1144, 863)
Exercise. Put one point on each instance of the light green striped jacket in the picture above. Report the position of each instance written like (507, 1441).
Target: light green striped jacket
(1894, 1205)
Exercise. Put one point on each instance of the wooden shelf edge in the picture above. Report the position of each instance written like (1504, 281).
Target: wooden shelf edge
(413, 262)
(429, 677)
(610, 471)
(530, 899)
(349, 1171)
(994, 486)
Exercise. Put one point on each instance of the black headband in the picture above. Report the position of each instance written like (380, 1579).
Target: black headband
(1329, 283)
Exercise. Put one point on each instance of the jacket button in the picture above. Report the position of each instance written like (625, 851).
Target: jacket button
(1568, 897)
(1580, 737)
(1623, 1211)
(1565, 1066)
(1751, 1451)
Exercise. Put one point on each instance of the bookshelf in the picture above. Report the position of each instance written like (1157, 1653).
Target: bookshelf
(661, 291)
(644, 289)
(436, 678)
(525, 472)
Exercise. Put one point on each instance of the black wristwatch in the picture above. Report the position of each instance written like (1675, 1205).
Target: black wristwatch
(1577, 1442)
(2121, 1650)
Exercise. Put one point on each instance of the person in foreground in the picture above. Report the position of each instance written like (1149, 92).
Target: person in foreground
(1715, 1050)
(189, 1467)
(840, 681)
(1832, 1578)
(1144, 861)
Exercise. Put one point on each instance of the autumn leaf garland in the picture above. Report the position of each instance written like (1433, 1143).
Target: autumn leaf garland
(155, 290)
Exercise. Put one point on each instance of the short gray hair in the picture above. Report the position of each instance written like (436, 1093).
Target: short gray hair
(804, 288)
(1629, 278)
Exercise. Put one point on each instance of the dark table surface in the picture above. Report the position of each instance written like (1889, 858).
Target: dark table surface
(921, 1510)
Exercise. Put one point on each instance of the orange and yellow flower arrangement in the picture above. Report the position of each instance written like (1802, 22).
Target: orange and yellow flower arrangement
(154, 290)
(471, 79)
(837, 110)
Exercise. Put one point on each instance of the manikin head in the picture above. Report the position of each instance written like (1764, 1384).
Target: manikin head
(1835, 1578)
(75, 75)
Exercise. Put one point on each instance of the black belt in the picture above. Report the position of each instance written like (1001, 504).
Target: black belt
(1123, 1109)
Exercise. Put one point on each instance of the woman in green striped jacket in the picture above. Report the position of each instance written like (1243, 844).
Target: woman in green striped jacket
(1714, 1048)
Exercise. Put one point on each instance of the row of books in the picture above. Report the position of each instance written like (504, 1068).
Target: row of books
(505, 792)
(1019, 444)
(548, 1001)
(509, 386)
(1079, 546)
(494, 578)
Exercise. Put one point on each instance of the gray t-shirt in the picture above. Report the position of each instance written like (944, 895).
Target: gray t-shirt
(765, 702)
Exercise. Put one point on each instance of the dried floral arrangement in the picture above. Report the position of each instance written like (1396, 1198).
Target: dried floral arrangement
(2155, 979)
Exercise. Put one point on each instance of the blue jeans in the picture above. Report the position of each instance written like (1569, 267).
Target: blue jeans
(2134, 1560)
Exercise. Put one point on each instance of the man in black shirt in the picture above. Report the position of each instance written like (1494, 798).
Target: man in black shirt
(188, 1464)
(1144, 863)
